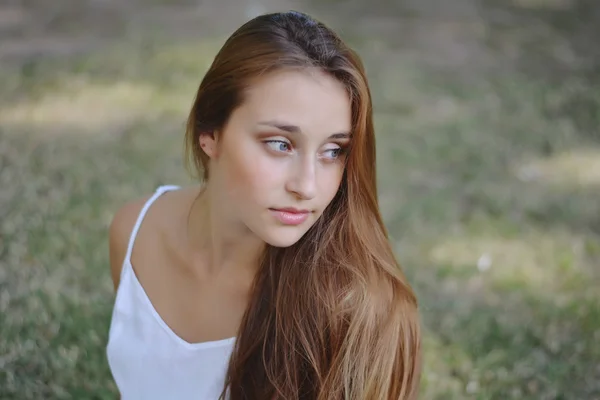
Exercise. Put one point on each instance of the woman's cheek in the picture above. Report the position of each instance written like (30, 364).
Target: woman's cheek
(266, 172)
(256, 170)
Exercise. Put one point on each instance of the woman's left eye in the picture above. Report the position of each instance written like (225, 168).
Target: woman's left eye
(334, 153)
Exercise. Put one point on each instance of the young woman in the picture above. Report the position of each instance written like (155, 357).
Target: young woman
(274, 279)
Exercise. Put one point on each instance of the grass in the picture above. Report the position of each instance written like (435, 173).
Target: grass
(490, 194)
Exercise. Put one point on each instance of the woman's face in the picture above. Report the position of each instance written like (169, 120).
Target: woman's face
(279, 161)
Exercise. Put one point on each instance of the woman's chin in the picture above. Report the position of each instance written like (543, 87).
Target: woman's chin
(283, 236)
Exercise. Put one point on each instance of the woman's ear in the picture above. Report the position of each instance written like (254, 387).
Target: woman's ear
(208, 143)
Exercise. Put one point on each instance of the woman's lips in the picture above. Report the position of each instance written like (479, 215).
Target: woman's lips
(290, 216)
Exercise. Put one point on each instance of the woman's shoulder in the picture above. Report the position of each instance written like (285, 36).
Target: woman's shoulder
(157, 218)
(119, 233)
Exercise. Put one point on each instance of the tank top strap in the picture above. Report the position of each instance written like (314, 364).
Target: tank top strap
(158, 192)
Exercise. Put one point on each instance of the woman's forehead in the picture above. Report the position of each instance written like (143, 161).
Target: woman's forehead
(309, 100)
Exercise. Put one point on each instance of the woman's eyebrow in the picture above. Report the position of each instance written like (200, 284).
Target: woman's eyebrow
(290, 128)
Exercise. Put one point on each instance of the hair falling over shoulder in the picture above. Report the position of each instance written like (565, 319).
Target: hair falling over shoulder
(332, 316)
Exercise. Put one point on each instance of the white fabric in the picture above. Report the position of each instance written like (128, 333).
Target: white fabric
(147, 359)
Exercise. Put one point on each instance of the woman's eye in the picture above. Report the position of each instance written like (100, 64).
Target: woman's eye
(279, 145)
(333, 153)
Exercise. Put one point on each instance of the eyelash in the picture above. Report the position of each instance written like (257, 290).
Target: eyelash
(340, 150)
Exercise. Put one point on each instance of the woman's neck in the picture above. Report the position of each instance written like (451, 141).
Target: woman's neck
(219, 244)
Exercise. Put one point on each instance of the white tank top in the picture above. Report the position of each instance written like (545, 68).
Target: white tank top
(147, 359)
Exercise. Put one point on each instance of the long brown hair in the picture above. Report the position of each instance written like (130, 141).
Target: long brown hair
(332, 316)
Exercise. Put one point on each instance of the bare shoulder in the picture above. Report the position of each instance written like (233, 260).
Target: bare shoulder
(119, 232)
(158, 227)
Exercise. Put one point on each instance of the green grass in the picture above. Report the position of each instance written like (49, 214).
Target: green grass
(492, 200)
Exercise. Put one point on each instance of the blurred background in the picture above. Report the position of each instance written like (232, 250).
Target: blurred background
(487, 115)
